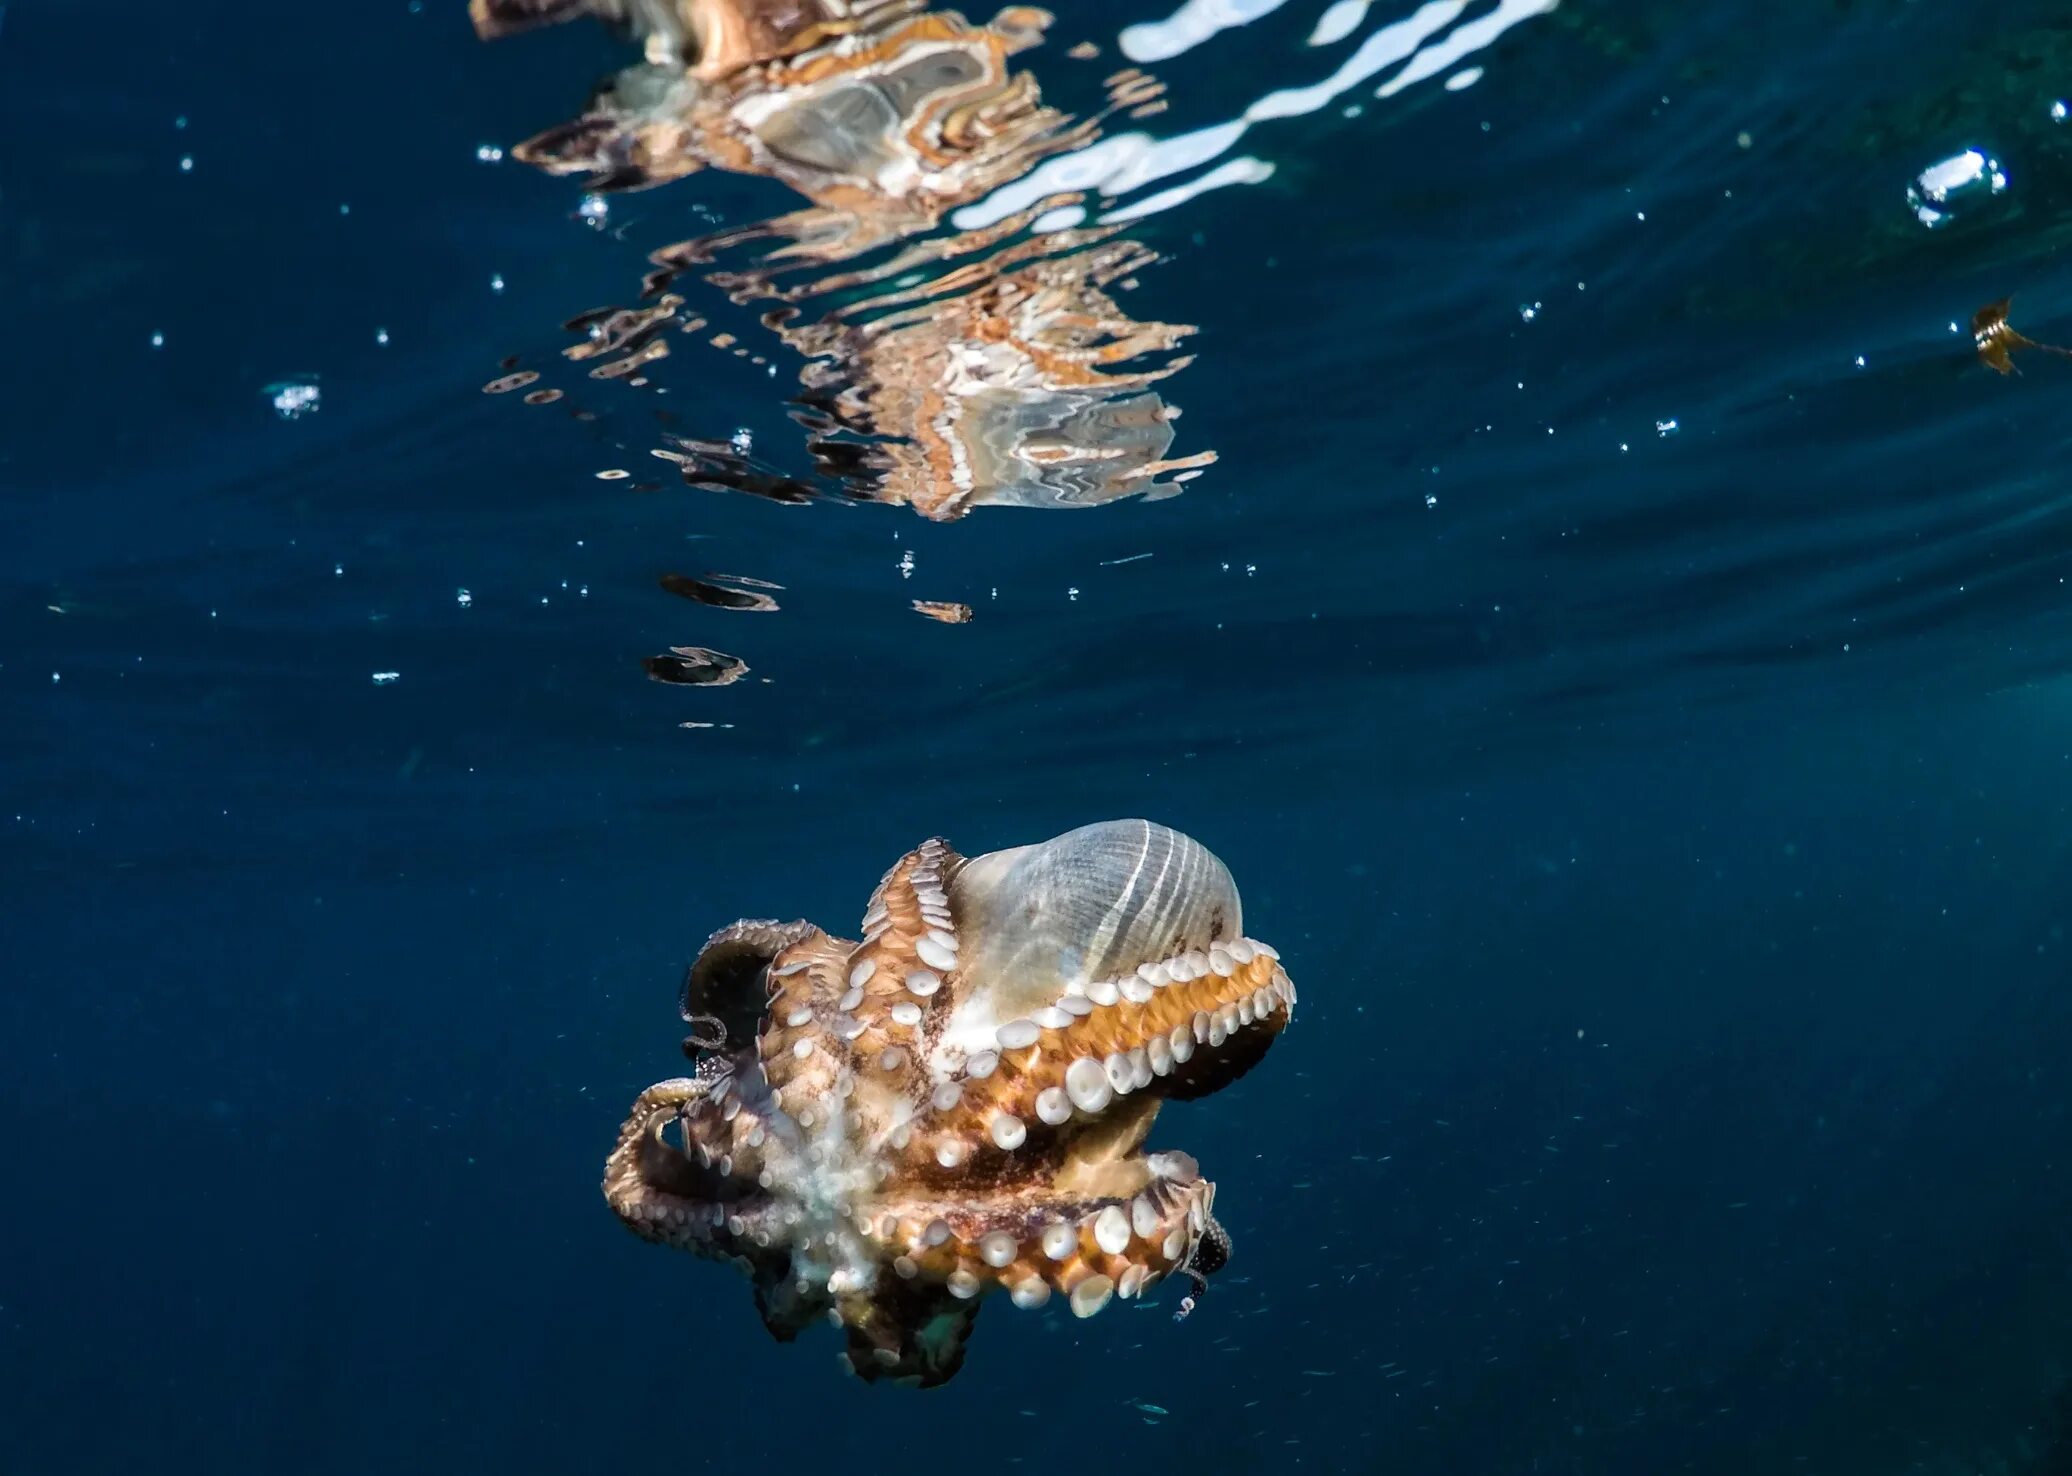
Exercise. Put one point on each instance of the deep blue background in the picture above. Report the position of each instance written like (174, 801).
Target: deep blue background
(1670, 843)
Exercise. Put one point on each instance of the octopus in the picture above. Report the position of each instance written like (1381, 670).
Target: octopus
(882, 1132)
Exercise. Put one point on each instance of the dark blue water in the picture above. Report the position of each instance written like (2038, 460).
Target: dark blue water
(1666, 824)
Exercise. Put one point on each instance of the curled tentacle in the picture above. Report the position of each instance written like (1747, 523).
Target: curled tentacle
(708, 1033)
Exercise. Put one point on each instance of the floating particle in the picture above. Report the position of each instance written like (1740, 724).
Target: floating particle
(463, 599)
(1666, 427)
(543, 397)
(294, 398)
(722, 340)
(1744, 139)
(187, 163)
(743, 440)
(496, 281)
(488, 154)
(344, 209)
(1528, 310)
(158, 340)
(613, 474)
(338, 571)
(722, 591)
(595, 211)
(1084, 51)
(510, 382)
(381, 337)
(385, 678)
(2057, 112)
(949, 612)
(696, 666)
(906, 563)
(1997, 340)
(1431, 499)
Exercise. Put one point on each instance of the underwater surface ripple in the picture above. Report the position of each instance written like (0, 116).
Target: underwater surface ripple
(1596, 593)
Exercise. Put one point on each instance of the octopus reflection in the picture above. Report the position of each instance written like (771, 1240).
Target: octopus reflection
(880, 1132)
(943, 371)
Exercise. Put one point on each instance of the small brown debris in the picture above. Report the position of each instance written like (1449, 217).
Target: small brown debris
(1996, 338)
(696, 666)
(543, 397)
(613, 474)
(1084, 51)
(511, 382)
(1149, 110)
(722, 340)
(949, 612)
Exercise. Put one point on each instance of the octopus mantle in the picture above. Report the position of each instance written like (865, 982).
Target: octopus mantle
(880, 1132)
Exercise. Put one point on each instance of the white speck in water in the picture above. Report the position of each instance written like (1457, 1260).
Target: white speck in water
(344, 208)
(488, 154)
(1462, 80)
(187, 163)
(55, 677)
(496, 281)
(384, 678)
(595, 210)
(338, 571)
(381, 337)
(464, 599)
(1665, 427)
(158, 340)
(2057, 112)
(1072, 593)
(1859, 361)
(1431, 499)
(743, 440)
(1622, 446)
(181, 121)
(1528, 310)
(294, 398)
(906, 563)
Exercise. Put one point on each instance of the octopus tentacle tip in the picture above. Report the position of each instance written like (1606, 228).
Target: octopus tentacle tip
(881, 1133)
